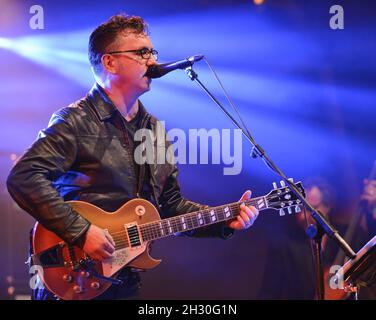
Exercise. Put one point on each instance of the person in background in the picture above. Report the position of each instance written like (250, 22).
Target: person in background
(290, 272)
(369, 196)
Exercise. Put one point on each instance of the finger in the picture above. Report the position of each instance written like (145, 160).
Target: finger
(109, 237)
(241, 222)
(254, 210)
(250, 215)
(245, 212)
(234, 224)
(246, 195)
(109, 248)
(248, 218)
(251, 211)
(105, 255)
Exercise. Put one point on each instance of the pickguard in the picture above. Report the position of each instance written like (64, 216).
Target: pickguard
(121, 258)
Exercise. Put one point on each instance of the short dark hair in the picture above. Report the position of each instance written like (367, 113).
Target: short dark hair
(106, 34)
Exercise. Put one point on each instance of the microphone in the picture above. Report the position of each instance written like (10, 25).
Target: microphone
(160, 70)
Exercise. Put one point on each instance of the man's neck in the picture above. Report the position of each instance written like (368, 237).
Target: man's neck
(125, 103)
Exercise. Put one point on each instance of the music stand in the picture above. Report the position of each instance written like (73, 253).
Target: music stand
(359, 272)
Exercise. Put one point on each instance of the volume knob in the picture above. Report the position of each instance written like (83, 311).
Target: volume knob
(95, 285)
(85, 274)
(77, 289)
(67, 278)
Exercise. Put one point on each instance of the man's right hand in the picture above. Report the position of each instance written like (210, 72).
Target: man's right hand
(99, 244)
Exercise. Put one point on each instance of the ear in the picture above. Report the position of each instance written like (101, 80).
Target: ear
(109, 63)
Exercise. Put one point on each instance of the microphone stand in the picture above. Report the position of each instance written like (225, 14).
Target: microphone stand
(314, 232)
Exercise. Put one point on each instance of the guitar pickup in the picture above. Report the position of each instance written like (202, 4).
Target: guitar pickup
(133, 234)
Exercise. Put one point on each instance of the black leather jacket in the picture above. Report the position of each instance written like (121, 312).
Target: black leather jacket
(84, 154)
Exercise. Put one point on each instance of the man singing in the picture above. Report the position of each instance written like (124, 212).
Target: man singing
(87, 153)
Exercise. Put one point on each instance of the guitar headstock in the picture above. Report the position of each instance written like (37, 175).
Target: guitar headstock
(285, 200)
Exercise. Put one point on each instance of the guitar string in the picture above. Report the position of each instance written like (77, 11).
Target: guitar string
(156, 229)
(204, 211)
(151, 231)
(176, 221)
(154, 234)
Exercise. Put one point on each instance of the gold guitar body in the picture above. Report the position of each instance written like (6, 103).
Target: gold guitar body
(63, 270)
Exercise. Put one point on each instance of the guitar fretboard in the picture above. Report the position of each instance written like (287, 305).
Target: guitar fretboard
(198, 219)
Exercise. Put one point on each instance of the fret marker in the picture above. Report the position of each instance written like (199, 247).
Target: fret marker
(160, 225)
(212, 215)
(227, 212)
(184, 224)
(260, 204)
(169, 226)
(200, 220)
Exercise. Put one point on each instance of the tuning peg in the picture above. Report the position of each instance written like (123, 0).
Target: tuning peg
(289, 210)
(291, 180)
(281, 212)
(275, 185)
(297, 209)
(283, 184)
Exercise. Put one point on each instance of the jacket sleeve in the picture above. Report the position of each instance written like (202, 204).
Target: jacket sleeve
(30, 182)
(173, 203)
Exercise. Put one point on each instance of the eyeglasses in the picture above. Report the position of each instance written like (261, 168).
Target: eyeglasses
(144, 53)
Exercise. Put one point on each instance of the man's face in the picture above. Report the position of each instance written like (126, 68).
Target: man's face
(130, 67)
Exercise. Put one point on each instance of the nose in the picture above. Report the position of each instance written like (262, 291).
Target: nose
(151, 61)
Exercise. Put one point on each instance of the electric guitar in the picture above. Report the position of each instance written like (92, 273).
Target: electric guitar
(68, 272)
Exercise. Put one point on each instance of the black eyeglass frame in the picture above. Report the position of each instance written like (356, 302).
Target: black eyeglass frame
(145, 53)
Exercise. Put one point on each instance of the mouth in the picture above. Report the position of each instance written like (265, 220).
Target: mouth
(146, 74)
(147, 80)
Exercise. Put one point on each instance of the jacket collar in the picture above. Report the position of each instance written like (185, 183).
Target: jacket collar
(102, 104)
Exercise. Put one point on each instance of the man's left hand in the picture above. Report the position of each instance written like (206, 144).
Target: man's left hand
(247, 215)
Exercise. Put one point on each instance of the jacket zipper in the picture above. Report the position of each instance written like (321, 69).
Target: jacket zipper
(141, 172)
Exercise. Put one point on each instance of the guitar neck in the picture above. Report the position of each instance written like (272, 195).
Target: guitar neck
(198, 219)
